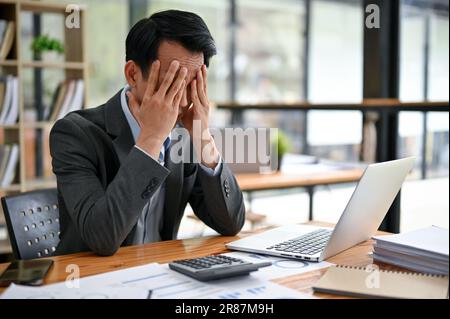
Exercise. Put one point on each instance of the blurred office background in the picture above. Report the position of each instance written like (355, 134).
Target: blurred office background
(286, 51)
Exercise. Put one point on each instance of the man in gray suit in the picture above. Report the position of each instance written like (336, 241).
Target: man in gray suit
(118, 183)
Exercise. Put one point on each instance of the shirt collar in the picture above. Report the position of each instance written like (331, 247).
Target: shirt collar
(134, 126)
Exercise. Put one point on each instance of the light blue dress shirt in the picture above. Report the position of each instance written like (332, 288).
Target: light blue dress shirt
(150, 222)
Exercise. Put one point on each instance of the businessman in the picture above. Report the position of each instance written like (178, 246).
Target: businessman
(117, 182)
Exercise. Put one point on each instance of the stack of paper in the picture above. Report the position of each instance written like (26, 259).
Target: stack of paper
(424, 250)
(62, 292)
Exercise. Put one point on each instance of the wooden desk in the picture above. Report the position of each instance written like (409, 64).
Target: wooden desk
(257, 182)
(163, 252)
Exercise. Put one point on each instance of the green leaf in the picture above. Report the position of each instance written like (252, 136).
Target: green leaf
(45, 43)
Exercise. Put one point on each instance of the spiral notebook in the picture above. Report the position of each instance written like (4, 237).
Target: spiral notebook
(372, 283)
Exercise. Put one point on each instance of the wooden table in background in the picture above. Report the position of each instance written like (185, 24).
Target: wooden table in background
(167, 251)
(258, 182)
(252, 182)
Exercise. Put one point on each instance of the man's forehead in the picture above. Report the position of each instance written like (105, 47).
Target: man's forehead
(169, 51)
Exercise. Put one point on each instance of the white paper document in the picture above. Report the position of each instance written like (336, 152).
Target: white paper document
(63, 292)
(253, 288)
(159, 282)
(241, 287)
(281, 267)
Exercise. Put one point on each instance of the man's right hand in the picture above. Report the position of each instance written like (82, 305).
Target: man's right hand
(158, 111)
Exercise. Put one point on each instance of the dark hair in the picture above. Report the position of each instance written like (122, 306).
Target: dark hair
(183, 27)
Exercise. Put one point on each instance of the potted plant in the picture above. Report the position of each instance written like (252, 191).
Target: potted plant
(282, 145)
(44, 44)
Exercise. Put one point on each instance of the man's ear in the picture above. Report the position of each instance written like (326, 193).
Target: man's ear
(132, 71)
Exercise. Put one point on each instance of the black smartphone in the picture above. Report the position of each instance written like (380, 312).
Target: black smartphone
(26, 272)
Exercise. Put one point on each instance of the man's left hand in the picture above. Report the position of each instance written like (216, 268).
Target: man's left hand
(196, 120)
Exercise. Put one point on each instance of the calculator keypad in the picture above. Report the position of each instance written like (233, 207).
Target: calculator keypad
(209, 262)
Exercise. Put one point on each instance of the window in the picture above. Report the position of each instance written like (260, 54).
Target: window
(335, 76)
(269, 62)
(438, 88)
(424, 51)
(412, 39)
(438, 144)
(270, 51)
(336, 57)
(424, 75)
(410, 139)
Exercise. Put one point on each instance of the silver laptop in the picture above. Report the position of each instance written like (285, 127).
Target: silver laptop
(360, 220)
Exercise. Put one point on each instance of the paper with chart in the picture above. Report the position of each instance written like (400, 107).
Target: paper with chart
(281, 267)
(160, 282)
(63, 292)
(241, 287)
(250, 287)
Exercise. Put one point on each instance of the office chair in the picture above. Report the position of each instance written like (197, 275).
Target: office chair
(32, 220)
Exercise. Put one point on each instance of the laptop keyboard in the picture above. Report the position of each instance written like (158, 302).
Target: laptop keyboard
(308, 244)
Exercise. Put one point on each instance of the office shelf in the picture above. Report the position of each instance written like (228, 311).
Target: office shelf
(25, 133)
(40, 183)
(43, 7)
(54, 65)
(10, 188)
(8, 63)
(9, 127)
(40, 124)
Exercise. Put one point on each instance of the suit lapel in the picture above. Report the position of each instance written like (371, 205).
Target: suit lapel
(117, 126)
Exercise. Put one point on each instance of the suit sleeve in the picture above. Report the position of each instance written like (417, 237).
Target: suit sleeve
(103, 217)
(218, 201)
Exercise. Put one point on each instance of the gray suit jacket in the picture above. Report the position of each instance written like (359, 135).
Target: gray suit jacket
(104, 183)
